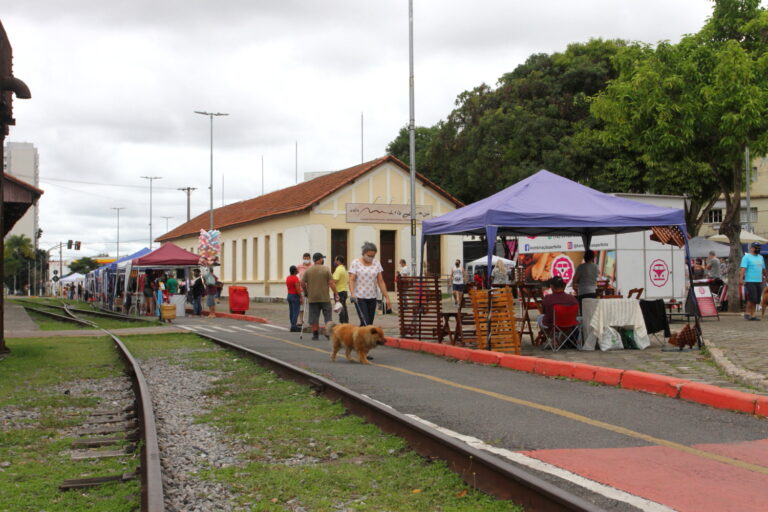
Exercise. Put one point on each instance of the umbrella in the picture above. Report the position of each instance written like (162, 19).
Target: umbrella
(746, 238)
(700, 248)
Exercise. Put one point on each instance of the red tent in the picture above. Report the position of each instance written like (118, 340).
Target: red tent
(168, 255)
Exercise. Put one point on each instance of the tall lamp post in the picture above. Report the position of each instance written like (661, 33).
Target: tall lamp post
(117, 209)
(151, 179)
(412, 138)
(211, 115)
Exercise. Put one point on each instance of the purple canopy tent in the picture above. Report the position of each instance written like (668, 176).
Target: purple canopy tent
(548, 204)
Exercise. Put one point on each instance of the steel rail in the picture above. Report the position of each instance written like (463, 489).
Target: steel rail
(477, 468)
(152, 497)
(57, 316)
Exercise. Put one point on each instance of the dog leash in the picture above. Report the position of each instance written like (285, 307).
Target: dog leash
(359, 312)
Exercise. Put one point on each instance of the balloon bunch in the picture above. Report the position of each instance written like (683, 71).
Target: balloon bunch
(208, 247)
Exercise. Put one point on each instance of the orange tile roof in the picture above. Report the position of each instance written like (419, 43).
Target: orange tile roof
(289, 200)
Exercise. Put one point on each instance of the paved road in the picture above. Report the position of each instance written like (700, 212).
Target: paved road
(636, 451)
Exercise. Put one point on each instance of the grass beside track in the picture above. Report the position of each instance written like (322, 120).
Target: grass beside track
(50, 324)
(33, 380)
(305, 452)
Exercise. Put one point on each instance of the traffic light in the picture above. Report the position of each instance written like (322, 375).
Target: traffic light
(77, 245)
(69, 244)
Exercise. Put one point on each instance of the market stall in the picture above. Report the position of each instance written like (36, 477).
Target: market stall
(548, 204)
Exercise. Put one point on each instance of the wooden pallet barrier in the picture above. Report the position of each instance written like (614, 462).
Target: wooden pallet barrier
(495, 315)
(419, 303)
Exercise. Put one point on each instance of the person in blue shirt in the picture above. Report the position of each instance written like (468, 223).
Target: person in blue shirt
(752, 276)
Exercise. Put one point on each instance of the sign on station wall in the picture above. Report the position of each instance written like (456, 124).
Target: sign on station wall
(386, 213)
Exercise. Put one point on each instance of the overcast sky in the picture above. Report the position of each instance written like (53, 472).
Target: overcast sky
(115, 83)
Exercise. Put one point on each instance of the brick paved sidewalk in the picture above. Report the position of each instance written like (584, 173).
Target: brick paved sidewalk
(744, 344)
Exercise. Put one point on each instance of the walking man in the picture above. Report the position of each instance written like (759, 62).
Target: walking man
(316, 282)
(752, 276)
(198, 290)
(458, 278)
(306, 262)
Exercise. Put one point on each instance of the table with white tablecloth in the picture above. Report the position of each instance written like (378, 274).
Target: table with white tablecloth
(180, 301)
(599, 314)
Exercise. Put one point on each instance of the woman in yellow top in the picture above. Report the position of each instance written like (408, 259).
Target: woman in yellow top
(341, 276)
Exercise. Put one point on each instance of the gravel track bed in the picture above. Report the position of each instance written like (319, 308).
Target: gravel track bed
(186, 447)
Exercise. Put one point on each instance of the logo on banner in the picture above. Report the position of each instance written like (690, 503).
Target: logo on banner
(659, 273)
(563, 266)
(527, 247)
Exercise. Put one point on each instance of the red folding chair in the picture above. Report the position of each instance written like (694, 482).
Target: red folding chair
(565, 329)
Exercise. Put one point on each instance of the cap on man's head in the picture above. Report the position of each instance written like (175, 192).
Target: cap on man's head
(557, 282)
(317, 256)
(756, 244)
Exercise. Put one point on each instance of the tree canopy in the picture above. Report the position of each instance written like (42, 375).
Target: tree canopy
(83, 265)
(691, 109)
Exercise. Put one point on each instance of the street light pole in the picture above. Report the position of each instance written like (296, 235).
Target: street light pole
(211, 115)
(151, 179)
(412, 133)
(117, 257)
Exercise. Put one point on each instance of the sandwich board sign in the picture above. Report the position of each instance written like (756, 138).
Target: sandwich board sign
(706, 302)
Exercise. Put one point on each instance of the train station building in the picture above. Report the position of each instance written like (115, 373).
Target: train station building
(334, 213)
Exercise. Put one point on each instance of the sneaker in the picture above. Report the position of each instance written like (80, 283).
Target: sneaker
(755, 319)
(315, 337)
(295, 329)
(747, 317)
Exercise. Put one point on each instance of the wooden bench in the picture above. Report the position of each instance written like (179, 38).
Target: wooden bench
(419, 303)
(495, 322)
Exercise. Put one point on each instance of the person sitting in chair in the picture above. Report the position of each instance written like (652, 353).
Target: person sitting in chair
(558, 296)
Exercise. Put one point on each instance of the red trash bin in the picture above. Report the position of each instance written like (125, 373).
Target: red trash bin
(238, 299)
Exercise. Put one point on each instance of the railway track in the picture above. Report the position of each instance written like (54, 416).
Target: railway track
(136, 422)
(475, 467)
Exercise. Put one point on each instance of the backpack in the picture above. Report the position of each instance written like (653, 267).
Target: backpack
(210, 279)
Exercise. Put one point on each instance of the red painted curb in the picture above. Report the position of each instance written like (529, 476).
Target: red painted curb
(392, 342)
(484, 357)
(410, 344)
(246, 318)
(550, 368)
(519, 363)
(582, 371)
(652, 383)
(761, 406)
(718, 397)
(434, 348)
(607, 376)
(459, 353)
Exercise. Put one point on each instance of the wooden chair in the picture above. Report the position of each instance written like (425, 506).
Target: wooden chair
(495, 322)
(530, 300)
(635, 291)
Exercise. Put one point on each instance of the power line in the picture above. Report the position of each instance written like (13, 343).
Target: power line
(100, 184)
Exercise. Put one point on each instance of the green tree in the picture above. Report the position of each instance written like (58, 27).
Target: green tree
(691, 109)
(18, 252)
(496, 137)
(401, 146)
(83, 265)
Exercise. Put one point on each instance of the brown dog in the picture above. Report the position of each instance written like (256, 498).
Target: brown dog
(764, 302)
(360, 339)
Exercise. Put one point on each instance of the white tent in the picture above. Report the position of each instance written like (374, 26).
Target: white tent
(73, 278)
(700, 248)
(746, 238)
(483, 261)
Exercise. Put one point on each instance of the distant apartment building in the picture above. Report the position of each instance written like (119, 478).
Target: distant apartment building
(20, 159)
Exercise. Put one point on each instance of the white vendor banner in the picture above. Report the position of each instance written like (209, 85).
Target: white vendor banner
(537, 244)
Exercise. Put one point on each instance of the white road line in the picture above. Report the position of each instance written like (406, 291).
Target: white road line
(278, 327)
(243, 329)
(187, 327)
(203, 328)
(519, 458)
(220, 328)
(251, 327)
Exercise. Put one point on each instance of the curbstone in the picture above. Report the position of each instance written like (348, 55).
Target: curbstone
(608, 376)
(718, 397)
(459, 353)
(519, 363)
(410, 344)
(434, 348)
(484, 357)
(551, 368)
(652, 383)
(761, 406)
(392, 342)
(582, 371)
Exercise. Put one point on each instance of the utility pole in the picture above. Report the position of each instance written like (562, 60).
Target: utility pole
(362, 145)
(151, 179)
(188, 190)
(166, 221)
(296, 160)
(262, 174)
(117, 251)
